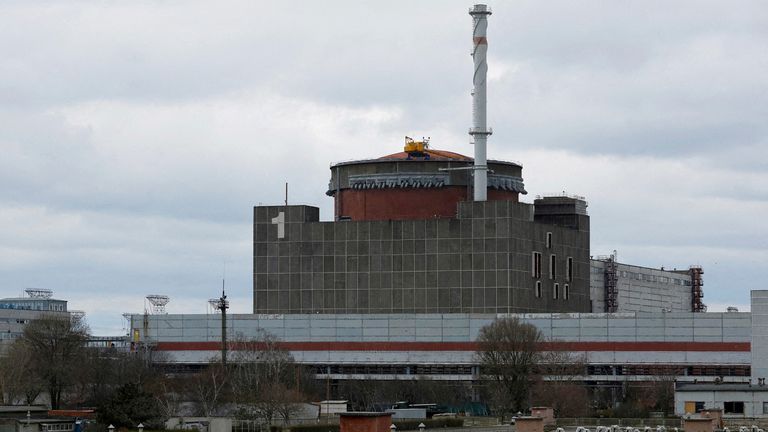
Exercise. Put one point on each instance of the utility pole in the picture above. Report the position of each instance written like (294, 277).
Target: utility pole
(223, 305)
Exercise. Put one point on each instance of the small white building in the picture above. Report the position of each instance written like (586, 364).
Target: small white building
(748, 399)
(737, 400)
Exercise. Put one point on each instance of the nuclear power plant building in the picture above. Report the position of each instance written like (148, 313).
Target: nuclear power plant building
(405, 240)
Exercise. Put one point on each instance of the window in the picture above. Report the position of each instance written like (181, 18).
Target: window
(765, 407)
(556, 291)
(566, 291)
(733, 407)
(536, 264)
(549, 240)
(569, 269)
(552, 270)
(538, 289)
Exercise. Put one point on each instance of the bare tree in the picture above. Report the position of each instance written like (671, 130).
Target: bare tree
(560, 383)
(266, 382)
(56, 345)
(17, 382)
(508, 354)
(208, 388)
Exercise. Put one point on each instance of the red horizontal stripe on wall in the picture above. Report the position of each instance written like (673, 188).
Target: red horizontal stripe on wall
(473, 346)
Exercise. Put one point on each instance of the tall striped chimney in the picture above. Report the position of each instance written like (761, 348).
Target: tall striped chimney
(479, 129)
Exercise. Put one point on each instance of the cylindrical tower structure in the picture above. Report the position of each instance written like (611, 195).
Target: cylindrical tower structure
(401, 186)
(480, 130)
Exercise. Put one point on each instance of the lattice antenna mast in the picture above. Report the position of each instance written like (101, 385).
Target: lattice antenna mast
(157, 303)
(39, 293)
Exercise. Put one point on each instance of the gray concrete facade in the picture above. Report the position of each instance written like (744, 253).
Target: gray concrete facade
(480, 262)
(642, 289)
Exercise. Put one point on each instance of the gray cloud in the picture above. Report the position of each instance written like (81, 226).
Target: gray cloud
(136, 137)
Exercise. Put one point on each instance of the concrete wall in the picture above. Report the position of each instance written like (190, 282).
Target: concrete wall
(568, 327)
(478, 263)
(666, 333)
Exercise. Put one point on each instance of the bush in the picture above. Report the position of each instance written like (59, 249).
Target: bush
(315, 428)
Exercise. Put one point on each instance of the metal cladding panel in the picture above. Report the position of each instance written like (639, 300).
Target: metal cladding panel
(195, 323)
(433, 323)
(622, 322)
(297, 332)
(629, 357)
(241, 325)
(566, 333)
(170, 332)
(601, 324)
(656, 332)
(436, 332)
(402, 323)
(570, 323)
(601, 357)
(679, 332)
(741, 333)
(622, 333)
(324, 323)
(456, 322)
(650, 322)
(375, 323)
(292, 323)
(329, 333)
(273, 324)
(699, 322)
(402, 331)
(737, 321)
(724, 357)
(674, 321)
(647, 337)
(191, 333)
(455, 332)
(698, 338)
(708, 331)
(588, 333)
(541, 324)
(404, 338)
(376, 331)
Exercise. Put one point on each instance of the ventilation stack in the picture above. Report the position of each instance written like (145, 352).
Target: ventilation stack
(480, 130)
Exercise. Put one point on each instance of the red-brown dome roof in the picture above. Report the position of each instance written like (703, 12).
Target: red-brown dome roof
(438, 155)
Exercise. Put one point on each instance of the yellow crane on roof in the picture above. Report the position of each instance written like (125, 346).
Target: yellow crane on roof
(416, 148)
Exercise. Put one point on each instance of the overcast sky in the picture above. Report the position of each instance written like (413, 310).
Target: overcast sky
(136, 136)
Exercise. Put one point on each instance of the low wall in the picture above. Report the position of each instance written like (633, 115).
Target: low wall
(596, 421)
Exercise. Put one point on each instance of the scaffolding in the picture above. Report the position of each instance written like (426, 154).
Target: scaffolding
(697, 292)
(611, 284)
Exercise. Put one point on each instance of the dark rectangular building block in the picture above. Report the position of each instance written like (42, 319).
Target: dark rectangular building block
(480, 262)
